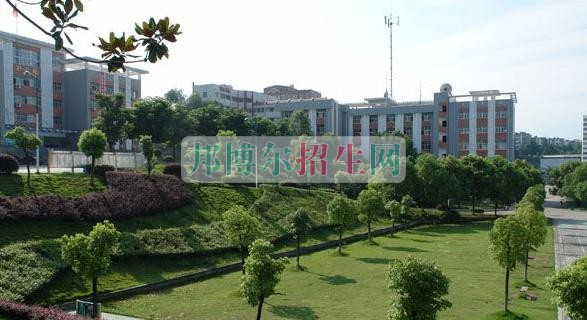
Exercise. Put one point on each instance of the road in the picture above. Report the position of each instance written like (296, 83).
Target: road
(570, 234)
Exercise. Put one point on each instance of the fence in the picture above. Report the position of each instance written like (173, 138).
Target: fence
(76, 159)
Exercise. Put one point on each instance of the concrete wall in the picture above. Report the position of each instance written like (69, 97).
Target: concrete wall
(76, 101)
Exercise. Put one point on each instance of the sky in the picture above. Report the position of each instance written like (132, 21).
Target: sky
(537, 49)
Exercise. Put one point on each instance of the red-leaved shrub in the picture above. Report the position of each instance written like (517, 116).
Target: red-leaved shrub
(19, 311)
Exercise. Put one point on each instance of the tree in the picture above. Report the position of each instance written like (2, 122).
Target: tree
(242, 228)
(92, 143)
(507, 247)
(148, 152)
(261, 126)
(298, 223)
(262, 273)
(111, 119)
(193, 101)
(234, 120)
(181, 128)
(419, 289)
(370, 205)
(299, 124)
(394, 208)
(436, 184)
(568, 286)
(455, 168)
(152, 35)
(205, 120)
(175, 96)
(340, 212)
(26, 142)
(151, 117)
(535, 224)
(478, 177)
(90, 255)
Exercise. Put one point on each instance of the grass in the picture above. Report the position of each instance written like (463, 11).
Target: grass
(135, 271)
(358, 280)
(66, 184)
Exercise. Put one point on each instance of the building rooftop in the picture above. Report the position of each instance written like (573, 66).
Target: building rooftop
(76, 64)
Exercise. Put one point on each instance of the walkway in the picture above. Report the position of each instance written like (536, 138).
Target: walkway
(570, 233)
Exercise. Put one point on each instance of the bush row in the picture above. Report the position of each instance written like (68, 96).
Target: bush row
(18, 311)
(8, 164)
(130, 195)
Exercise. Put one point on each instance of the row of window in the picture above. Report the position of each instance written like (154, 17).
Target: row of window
(28, 82)
(483, 146)
(26, 57)
(24, 117)
(465, 130)
(482, 115)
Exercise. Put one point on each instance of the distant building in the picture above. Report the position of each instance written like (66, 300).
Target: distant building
(584, 154)
(290, 92)
(227, 96)
(522, 139)
(481, 122)
(554, 161)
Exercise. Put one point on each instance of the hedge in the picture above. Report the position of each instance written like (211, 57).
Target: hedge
(19, 311)
(130, 195)
(8, 164)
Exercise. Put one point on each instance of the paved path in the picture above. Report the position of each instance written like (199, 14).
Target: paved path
(570, 234)
(110, 316)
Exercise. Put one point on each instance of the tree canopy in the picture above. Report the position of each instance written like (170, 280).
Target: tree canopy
(569, 286)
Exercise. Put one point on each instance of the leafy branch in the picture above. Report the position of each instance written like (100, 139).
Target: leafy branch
(151, 34)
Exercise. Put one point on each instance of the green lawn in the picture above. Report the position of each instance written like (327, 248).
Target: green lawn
(66, 184)
(354, 286)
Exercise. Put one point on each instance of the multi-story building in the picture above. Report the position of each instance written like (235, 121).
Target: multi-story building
(31, 82)
(83, 80)
(227, 96)
(584, 153)
(37, 79)
(481, 122)
(290, 92)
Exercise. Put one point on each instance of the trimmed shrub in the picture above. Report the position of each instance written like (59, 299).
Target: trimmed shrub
(8, 164)
(478, 211)
(173, 169)
(56, 206)
(99, 170)
(19, 311)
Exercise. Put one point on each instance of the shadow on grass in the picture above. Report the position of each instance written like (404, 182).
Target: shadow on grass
(448, 229)
(294, 312)
(337, 280)
(375, 260)
(508, 316)
(404, 249)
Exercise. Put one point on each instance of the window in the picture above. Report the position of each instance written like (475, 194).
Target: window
(320, 114)
(463, 115)
(426, 131)
(501, 114)
(204, 94)
(426, 146)
(356, 125)
(481, 146)
(443, 108)
(20, 100)
(58, 121)
(443, 138)
(427, 116)
(409, 132)
(26, 57)
(57, 62)
(94, 87)
(482, 115)
(57, 86)
(57, 104)
(23, 82)
(390, 122)
(24, 117)
(444, 123)
(501, 146)
(408, 117)
(501, 129)
(481, 129)
(463, 146)
(464, 130)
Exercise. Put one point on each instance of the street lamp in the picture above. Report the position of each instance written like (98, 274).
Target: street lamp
(38, 100)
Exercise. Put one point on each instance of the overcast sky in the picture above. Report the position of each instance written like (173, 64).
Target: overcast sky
(341, 48)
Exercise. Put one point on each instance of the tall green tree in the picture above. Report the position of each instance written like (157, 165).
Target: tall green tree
(456, 169)
(112, 118)
(92, 143)
(436, 184)
(299, 124)
(261, 126)
(181, 126)
(340, 214)
(194, 101)
(477, 178)
(91, 255)
(205, 120)
(234, 120)
(507, 247)
(26, 142)
(419, 288)
(370, 205)
(534, 222)
(262, 274)
(298, 224)
(151, 117)
(394, 208)
(242, 228)
(175, 96)
(569, 287)
(148, 152)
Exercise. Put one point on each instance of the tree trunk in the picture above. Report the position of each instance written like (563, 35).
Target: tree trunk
(507, 287)
(298, 251)
(526, 265)
(28, 169)
(95, 297)
(243, 258)
(92, 172)
(369, 230)
(495, 209)
(260, 307)
(474, 204)
(340, 241)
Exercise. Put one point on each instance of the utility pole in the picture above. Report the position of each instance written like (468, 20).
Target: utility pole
(38, 102)
(389, 22)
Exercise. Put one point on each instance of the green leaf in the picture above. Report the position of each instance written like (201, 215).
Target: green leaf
(68, 38)
(68, 6)
(49, 14)
(78, 5)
